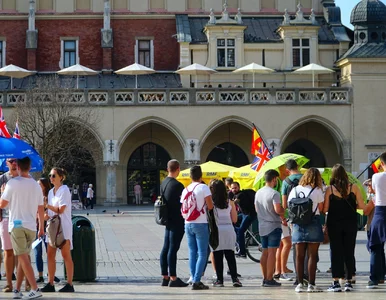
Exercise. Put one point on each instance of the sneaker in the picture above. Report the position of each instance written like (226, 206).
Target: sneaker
(300, 288)
(218, 283)
(177, 283)
(190, 280)
(40, 280)
(372, 285)
(68, 288)
(56, 279)
(313, 289)
(237, 283)
(48, 288)
(348, 287)
(165, 282)
(262, 282)
(17, 294)
(33, 294)
(240, 255)
(7, 289)
(335, 287)
(199, 286)
(271, 283)
(285, 277)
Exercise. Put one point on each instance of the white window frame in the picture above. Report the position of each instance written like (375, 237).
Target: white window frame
(226, 47)
(62, 40)
(3, 51)
(301, 48)
(136, 49)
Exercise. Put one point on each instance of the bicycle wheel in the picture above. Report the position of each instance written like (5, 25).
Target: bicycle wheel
(253, 247)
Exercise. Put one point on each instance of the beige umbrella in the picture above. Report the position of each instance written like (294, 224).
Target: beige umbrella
(313, 69)
(254, 68)
(14, 72)
(77, 70)
(196, 69)
(135, 69)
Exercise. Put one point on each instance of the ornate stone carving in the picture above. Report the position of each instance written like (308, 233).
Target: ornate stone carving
(107, 38)
(287, 17)
(212, 18)
(239, 17)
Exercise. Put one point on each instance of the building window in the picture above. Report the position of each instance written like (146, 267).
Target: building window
(226, 53)
(300, 52)
(2, 54)
(69, 53)
(144, 52)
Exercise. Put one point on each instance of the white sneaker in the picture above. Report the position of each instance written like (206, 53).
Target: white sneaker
(17, 294)
(190, 281)
(300, 288)
(285, 277)
(313, 289)
(33, 294)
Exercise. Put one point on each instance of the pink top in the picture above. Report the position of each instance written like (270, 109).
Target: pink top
(137, 189)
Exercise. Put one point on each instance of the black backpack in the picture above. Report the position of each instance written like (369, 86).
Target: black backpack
(291, 184)
(161, 211)
(300, 209)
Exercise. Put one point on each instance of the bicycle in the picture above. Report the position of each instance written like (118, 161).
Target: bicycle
(253, 248)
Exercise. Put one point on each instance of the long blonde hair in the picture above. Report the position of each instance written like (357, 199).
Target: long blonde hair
(312, 177)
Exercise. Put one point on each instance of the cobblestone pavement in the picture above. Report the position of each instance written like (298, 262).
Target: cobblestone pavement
(128, 244)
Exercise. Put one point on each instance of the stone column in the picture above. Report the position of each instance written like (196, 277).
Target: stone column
(192, 152)
(32, 38)
(110, 161)
(107, 39)
(347, 157)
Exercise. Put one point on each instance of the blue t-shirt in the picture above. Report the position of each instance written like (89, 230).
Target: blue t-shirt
(285, 186)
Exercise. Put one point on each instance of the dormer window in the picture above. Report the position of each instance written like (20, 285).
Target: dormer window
(226, 53)
(300, 52)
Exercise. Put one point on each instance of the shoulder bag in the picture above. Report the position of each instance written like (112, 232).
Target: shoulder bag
(161, 209)
(54, 232)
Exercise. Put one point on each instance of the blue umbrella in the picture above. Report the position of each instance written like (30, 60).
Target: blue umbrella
(14, 148)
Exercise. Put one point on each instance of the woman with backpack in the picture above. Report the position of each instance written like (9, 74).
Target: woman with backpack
(341, 202)
(307, 234)
(225, 215)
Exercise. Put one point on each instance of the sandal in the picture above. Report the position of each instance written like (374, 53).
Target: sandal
(7, 289)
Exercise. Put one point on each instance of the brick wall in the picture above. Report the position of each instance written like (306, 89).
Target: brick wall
(14, 33)
(166, 56)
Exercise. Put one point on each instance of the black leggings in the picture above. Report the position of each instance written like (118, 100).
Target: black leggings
(218, 262)
(342, 244)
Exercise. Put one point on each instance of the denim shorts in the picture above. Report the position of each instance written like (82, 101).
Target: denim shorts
(310, 233)
(271, 240)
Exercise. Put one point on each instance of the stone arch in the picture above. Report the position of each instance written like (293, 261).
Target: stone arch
(316, 124)
(152, 119)
(229, 119)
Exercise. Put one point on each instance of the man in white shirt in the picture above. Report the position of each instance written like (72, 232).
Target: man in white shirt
(377, 235)
(24, 197)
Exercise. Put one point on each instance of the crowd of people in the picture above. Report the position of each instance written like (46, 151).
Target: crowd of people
(334, 203)
(23, 223)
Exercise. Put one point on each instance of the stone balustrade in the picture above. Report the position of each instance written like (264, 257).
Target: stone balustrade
(205, 96)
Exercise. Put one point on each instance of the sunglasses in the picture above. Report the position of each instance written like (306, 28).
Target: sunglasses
(11, 161)
(51, 175)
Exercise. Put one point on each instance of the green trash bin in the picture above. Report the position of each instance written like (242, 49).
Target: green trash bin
(83, 252)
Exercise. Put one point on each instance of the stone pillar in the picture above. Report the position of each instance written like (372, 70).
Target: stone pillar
(110, 161)
(347, 157)
(107, 39)
(32, 38)
(192, 152)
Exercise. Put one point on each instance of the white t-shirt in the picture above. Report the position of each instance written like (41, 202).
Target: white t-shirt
(200, 192)
(379, 186)
(24, 196)
(90, 193)
(61, 198)
(316, 195)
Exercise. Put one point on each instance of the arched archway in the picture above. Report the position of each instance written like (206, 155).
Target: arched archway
(147, 166)
(315, 141)
(144, 155)
(228, 154)
(228, 143)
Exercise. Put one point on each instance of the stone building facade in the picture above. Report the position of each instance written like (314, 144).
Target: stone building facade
(168, 116)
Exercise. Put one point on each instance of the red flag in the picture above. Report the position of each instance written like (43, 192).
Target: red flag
(3, 126)
(256, 141)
